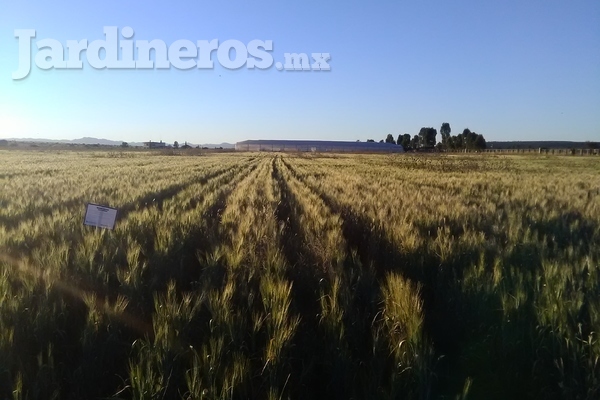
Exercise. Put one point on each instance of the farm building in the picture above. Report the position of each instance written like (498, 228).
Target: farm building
(155, 145)
(318, 146)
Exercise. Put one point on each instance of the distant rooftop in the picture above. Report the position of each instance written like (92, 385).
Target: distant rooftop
(317, 145)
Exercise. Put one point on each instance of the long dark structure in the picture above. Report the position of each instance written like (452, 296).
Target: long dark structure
(318, 146)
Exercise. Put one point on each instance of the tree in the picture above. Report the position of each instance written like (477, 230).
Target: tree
(370, 141)
(458, 142)
(432, 137)
(469, 138)
(390, 139)
(404, 140)
(124, 144)
(427, 137)
(414, 142)
(176, 144)
(480, 142)
(381, 141)
(466, 140)
(445, 132)
(450, 143)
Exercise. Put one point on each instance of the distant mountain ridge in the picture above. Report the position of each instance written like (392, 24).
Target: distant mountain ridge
(107, 142)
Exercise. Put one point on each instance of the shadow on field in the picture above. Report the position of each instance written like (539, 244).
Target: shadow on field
(506, 358)
(181, 263)
(156, 199)
(152, 199)
(305, 296)
(94, 363)
(33, 212)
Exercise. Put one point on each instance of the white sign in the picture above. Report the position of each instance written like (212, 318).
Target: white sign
(100, 216)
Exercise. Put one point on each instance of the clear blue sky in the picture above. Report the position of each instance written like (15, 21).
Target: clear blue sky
(510, 70)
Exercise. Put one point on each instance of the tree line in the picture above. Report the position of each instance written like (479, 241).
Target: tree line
(426, 139)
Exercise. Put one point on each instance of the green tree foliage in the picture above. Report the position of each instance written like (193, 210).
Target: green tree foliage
(404, 140)
(427, 137)
(414, 142)
(473, 141)
(458, 142)
(466, 140)
(480, 142)
(445, 132)
(176, 144)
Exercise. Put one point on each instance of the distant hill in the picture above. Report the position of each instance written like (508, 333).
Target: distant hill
(537, 145)
(83, 140)
(107, 142)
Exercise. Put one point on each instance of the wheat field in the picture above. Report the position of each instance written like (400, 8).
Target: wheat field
(299, 276)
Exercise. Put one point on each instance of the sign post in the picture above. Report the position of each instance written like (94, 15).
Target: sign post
(100, 216)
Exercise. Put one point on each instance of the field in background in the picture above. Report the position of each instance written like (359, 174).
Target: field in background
(235, 276)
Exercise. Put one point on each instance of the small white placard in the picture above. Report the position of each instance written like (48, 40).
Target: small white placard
(100, 216)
